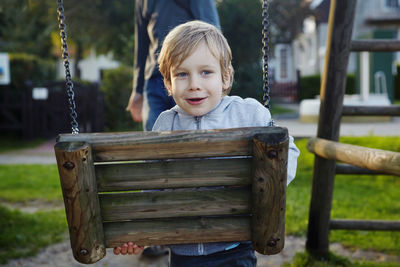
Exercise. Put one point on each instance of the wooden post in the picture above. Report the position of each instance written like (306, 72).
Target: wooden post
(393, 110)
(270, 158)
(338, 45)
(365, 225)
(76, 169)
(376, 45)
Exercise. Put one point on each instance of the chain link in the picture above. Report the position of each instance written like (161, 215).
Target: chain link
(65, 55)
(265, 50)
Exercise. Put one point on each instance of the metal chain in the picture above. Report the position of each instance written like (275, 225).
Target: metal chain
(65, 55)
(265, 50)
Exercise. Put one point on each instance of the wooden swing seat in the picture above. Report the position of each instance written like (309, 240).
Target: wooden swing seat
(231, 186)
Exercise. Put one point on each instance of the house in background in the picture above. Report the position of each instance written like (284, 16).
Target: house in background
(374, 19)
(91, 66)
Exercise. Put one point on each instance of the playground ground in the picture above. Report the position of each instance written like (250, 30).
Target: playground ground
(60, 254)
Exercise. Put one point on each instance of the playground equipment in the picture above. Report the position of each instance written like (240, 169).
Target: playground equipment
(326, 148)
(242, 174)
(102, 176)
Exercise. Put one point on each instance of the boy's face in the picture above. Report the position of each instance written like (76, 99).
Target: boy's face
(196, 84)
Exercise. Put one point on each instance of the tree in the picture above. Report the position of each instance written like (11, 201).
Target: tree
(26, 26)
(286, 18)
(241, 25)
(105, 25)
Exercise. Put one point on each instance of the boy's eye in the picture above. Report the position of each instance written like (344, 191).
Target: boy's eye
(181, 74)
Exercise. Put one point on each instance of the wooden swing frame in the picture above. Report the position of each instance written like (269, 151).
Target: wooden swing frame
(232, 187)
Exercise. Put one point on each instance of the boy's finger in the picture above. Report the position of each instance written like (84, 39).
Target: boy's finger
(130, 248)
(117, 250)
(124, 249)
(136, 249)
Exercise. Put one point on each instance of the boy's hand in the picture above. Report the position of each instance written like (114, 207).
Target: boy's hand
(128, 248)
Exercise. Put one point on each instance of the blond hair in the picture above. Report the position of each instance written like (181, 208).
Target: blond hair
(181, 41)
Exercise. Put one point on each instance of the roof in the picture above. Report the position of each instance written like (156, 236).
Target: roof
(321, 9)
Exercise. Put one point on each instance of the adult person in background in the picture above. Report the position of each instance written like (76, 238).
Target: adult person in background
(153, 20)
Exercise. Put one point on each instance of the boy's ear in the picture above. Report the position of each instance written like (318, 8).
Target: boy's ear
(168, 86)
(226, 83)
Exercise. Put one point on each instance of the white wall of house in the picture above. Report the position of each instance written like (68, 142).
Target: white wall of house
(91, 66)
(398, 53)
(314, 38)
(305, 49)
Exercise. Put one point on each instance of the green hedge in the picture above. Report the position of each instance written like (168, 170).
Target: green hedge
(310, 86)
(117, 86)
(24, 68)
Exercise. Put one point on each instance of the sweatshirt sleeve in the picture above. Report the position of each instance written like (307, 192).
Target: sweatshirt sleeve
(262, 117)
(293, 154)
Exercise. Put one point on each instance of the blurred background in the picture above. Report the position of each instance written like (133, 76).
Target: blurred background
(34, 109)
(101, 40)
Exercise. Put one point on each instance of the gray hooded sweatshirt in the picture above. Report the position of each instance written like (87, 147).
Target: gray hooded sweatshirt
(231, 112)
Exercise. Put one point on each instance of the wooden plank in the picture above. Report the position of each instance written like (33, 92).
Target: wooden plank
(177, 144)
(350, 169)
(373, 225)
(363, 157)
(173, 174)
(175, 203)
(393, 110)
(270, 161)
(78, 183)
(391, 19)
(376, 45)
(178, 231)
(340, 26)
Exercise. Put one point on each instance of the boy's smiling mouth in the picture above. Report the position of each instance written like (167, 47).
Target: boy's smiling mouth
(196, 100)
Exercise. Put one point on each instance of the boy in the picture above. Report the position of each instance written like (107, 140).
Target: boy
(195, 61)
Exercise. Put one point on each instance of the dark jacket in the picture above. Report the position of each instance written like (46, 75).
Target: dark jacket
(153, 20)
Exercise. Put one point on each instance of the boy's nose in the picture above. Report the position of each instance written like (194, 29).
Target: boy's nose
(194, 83)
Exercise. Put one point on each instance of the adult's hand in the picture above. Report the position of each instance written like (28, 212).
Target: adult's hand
(135, 106)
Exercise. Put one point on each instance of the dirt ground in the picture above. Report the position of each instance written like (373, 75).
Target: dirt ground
(60, 255)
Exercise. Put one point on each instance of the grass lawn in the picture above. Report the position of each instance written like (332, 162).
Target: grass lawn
(23, 183)
(23, 234)
(9, 142)
(357, 197)
(278, 109)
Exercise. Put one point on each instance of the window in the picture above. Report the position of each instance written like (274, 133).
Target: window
(392, 3)
(283, 64)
